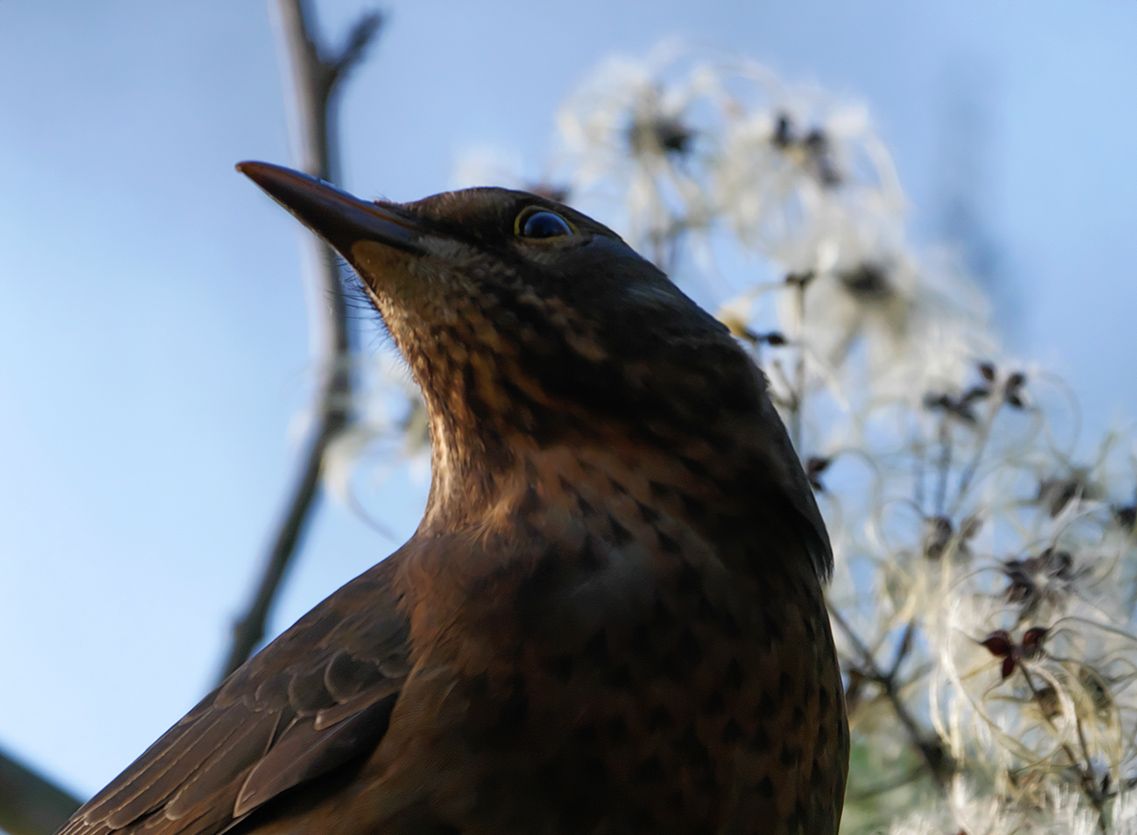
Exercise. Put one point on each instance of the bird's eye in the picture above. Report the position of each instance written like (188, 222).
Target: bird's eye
(542, 224)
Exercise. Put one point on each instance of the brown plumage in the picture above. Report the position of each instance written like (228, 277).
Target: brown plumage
(610, 619)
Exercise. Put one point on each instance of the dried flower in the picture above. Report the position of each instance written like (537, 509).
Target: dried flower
(955, 513)
(1047, 578)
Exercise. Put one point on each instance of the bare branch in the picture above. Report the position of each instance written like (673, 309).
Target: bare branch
(314, 82)
(30, 804)
(931, 750)
(358, 40)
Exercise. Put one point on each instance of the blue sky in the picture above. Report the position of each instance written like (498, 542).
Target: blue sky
(153, 336)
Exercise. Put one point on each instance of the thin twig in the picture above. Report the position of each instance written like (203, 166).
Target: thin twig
(799, 372)
(1086, 776)
(918, 451)
(30, 804)
(903, 648)
(316, 73)
(937, 760)
(968, 474)
(943, 465)
(892, 784)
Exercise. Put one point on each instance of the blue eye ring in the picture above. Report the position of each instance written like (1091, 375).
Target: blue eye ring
(541, 224)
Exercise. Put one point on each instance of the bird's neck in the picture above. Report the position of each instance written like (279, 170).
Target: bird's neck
(615, 485)
(709, 452)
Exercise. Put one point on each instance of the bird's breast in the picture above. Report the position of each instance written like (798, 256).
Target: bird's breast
(591, 648)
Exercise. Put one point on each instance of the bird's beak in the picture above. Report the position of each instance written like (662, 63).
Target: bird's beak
(336, 216)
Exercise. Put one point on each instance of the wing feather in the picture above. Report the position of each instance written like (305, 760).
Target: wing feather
(305, 752)
(243, 751)
(317, 697)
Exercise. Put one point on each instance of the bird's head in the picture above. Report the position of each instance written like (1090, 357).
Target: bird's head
(529, 325)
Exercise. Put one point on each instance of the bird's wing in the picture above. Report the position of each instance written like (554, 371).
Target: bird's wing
(317, 697)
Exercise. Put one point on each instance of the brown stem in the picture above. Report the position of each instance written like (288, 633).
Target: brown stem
(1086, 776)
(903, 648)
(938, 761)
(969, 471)
(892, 784)
(316, 74)
(943, 465)
(799, 373)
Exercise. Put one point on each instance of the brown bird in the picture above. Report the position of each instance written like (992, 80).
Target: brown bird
(611, 618)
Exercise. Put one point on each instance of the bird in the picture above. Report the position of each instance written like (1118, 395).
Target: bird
(611, 618)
